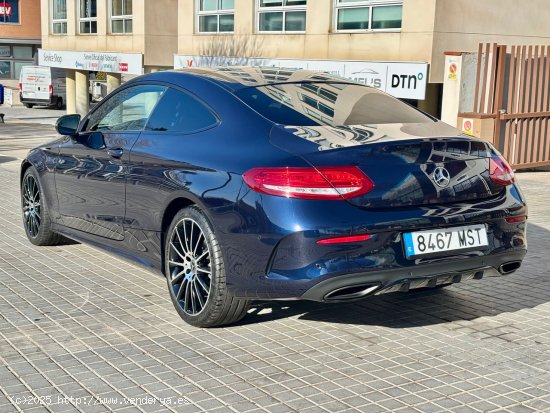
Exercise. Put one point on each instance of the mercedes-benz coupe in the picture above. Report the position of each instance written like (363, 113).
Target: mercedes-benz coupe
(242, 184)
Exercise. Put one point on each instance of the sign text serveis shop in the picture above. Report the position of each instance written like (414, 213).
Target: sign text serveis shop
(126, 63)
(405, 80)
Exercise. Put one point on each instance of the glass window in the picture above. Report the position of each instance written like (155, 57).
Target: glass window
(9, 12)
(22, 52)
(5, 51)
(333, 104)
(5, 70)
(282, 15)
(368, 14)
(356, 18)
(179, 112)
(128, 110)
(121, 16)
(59, 16)
(216, 16)
(387, 17)
(88, 17)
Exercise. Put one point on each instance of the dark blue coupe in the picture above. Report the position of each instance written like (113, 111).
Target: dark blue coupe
(241, 184)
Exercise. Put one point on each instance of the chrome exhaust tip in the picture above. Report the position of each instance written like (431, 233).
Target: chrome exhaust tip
(351, 292)
(509, 267)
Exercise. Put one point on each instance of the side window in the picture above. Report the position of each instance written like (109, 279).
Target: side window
(128, 110)
(179, 112)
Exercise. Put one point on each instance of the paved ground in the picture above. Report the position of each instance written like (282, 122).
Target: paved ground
(81, 330)
(38, 114)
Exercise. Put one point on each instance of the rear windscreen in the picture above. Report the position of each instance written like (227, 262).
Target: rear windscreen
(334, 104)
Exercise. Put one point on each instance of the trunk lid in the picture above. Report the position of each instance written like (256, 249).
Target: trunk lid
(410, 164)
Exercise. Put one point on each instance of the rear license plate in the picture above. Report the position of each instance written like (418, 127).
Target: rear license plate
(421, 243)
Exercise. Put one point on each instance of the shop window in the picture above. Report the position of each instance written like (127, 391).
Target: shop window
(13, 58)
(5, 70)
(216, 16)
(59, 16)
(121, 16)
(5, 51)
(368, 15)
(22, 52)
(282, 15)
(9, 12)
(88, 17)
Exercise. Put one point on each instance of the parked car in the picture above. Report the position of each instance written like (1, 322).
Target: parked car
(41, 85)
(241, 184)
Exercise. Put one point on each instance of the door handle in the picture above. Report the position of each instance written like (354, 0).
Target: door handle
(115, 152)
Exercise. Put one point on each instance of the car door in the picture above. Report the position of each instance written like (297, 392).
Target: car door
(91, 170)
(168, 158)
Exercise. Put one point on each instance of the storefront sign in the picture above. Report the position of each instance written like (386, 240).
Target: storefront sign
(130, 63)
(406, 80)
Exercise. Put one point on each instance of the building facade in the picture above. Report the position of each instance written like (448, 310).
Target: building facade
(396, 45)
(115, 37)
(357, 31)
(20, 37)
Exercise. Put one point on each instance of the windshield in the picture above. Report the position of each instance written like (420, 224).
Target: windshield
(334, 104)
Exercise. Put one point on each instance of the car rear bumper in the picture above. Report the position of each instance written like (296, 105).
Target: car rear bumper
(39, 102)
(279, 257)
(355, 286)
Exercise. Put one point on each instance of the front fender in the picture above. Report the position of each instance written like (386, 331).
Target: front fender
(44, 159)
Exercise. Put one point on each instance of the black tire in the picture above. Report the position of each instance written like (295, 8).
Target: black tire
(36, 217)
(29, 105)
(59, 103)
(200, 279)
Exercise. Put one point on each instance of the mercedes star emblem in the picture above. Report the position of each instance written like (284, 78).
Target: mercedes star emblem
(442, 177)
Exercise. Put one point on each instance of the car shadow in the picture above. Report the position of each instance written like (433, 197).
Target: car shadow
(464, 301)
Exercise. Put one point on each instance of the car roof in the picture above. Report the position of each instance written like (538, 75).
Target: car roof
(239, 77)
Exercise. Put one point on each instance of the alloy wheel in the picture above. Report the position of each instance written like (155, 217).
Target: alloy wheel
(189, 266)
(31, 206)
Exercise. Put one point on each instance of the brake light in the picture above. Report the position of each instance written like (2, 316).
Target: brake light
(51, 90)
(310, 183)
(344, 240)
(500, 171)
(515, 220)
(20, 87)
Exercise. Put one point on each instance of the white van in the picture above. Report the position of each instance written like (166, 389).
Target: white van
(41, 85)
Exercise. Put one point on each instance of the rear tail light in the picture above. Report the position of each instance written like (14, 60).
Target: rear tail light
(51, 90)
(500, 171)
(310, 183)
(515, 220)
(20, 87)
(344, 240)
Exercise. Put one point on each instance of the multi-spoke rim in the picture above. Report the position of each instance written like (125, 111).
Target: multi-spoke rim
(189, 266)
(31, 206)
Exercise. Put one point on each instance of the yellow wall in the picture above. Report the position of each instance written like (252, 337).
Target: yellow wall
(430, 27)
(412, 42)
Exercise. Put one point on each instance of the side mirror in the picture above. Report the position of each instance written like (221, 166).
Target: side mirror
(67, 125)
